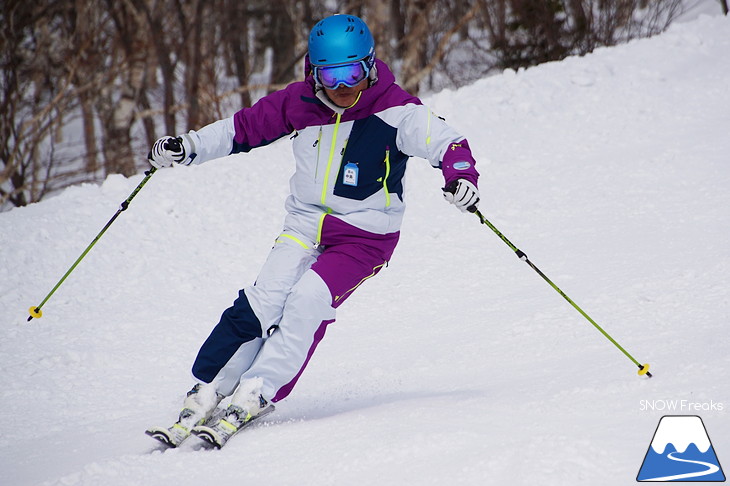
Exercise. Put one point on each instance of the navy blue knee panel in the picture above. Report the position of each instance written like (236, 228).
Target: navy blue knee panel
(238, 325)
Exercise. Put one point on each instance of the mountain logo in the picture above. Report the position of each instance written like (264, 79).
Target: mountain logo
(681, 451)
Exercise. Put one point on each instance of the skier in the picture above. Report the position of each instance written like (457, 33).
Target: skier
(353, 130)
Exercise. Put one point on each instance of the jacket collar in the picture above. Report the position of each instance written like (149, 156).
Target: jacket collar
(383, 78)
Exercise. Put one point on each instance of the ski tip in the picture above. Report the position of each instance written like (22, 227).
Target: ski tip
(162, 435)
(207, 435)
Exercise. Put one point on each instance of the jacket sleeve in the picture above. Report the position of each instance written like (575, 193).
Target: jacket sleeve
(423, 134)
(210, 142)
(268, 120)
(259, 125)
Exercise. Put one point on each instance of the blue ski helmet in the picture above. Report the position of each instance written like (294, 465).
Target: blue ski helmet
(341, 39)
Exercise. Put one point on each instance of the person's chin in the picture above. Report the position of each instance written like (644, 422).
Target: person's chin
(343, 100)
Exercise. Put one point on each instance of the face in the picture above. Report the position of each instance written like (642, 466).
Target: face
(345, 97)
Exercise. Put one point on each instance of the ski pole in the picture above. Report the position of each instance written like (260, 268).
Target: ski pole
(643, 368)
(35, 311)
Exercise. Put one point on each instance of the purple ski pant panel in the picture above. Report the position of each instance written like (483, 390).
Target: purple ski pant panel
(350, 257)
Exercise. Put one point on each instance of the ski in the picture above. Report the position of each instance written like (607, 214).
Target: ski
(219, 433)
(170, 436)
(176, 434)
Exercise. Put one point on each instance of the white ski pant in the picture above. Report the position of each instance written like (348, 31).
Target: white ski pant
(272, 328)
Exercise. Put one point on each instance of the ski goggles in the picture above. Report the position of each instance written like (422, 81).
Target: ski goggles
(348, 74)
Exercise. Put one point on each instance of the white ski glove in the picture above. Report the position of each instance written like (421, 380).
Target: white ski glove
(462, 194)
(169, 150)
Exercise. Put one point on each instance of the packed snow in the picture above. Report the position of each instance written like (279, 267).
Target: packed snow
(458, 364)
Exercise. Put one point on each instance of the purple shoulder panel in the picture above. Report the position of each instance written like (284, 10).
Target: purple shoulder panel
(296, 107)
(277, 115)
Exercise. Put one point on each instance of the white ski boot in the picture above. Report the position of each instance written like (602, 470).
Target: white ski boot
(199, 405)
(246, 406)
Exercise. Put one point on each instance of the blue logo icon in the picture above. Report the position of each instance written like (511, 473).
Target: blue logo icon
(461, 165)
(681, 451)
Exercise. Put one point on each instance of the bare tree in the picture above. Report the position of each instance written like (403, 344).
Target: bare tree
(282, 35)
(235, 39)
(453, 23)
(387, 22)
(528, 32)
(117, 103)
(164, 40)
(87, 85)
(39, 96)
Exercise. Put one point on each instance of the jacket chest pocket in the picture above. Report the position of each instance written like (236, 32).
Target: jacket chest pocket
(365, 168)
(362, 177)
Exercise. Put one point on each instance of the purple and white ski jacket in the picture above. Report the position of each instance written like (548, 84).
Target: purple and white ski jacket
(350, 162)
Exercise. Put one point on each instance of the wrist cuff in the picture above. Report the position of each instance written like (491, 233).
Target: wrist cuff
(458, 163)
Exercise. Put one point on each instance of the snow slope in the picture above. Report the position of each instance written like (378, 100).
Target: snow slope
(457, 364)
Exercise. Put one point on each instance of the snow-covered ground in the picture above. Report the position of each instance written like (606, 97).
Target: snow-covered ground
(457, 364)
